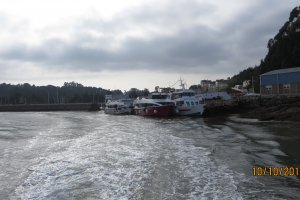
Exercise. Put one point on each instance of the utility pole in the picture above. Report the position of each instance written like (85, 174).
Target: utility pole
(57, 100)
(277, 85)
(253, 84)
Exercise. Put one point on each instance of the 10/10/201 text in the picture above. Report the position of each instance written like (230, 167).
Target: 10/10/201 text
(275, 171)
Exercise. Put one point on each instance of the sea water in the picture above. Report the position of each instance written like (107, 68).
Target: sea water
(91, 155)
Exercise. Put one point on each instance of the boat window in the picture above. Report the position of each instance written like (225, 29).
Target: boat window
(171, 103)
(189, 94)
(112, 106)
(192, 103)
(196, 103)
(188, 103)
(176, 96)
(159, 96)
(179, 103)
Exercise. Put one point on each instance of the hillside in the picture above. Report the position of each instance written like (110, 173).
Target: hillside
(283, 51)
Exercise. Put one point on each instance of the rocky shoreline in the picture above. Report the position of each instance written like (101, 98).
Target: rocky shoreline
(284, 112)
(278, 108)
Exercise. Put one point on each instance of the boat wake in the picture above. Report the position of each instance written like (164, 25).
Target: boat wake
(122, 160)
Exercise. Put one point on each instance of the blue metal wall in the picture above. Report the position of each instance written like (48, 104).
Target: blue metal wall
(286, 78)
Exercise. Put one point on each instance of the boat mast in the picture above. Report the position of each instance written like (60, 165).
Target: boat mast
(182, 84)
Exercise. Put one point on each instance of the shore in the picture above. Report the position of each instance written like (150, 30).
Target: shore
(279, 108)
(284, 112)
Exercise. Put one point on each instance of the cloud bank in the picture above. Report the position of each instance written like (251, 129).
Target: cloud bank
(166, 36)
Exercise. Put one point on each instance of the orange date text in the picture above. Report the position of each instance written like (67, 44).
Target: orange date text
(275, 171)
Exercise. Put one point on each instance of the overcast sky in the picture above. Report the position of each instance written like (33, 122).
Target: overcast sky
(119, 44)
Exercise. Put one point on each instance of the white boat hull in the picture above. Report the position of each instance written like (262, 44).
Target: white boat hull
(185, 111)
(118, 111)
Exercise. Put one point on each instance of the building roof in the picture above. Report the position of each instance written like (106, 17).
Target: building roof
(282, 71)
(222, 81)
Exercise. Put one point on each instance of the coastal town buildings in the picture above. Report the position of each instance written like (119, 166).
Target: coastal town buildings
(214, 86)
(282, 81)
(222, 84)
(208, 85)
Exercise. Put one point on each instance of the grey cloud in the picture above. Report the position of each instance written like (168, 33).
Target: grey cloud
(197, 48)
(174, 12)
(249, 33)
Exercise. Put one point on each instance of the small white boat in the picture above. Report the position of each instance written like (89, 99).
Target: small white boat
(118, 107)
(186, 102)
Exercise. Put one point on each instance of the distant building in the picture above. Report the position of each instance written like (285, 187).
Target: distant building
(208, 85)
(282, 81)
(221, 84)
(246, 83)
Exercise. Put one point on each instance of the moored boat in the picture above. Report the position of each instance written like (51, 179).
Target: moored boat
(186, 102)
(157, 105)
(118, 107)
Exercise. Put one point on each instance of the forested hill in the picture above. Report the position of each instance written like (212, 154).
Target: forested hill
(284, 48)
(283, 51)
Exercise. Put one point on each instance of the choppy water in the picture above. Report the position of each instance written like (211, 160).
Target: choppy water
(83, 155)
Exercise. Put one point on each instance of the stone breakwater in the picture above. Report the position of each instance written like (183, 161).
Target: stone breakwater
(279, 108)
(264, 108)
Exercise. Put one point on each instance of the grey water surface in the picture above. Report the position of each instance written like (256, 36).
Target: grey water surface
(90, 155)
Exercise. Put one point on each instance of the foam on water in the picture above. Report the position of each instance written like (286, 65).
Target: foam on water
(117, 162)
(74, 155)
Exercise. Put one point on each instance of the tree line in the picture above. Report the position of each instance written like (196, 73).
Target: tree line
(70, 92)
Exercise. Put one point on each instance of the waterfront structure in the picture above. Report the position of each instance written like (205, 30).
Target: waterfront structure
(208, 85)
(279, 82)
(214, 86)
(213, 96)
(221, 85)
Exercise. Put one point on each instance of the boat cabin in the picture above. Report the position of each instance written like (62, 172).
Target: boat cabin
(187, 93)
(159, 96)
(145, 105)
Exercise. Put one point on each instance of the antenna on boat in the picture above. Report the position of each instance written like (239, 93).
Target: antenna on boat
(182, 84)
(174, 84)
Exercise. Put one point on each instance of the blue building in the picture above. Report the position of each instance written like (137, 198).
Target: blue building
(282, 81)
